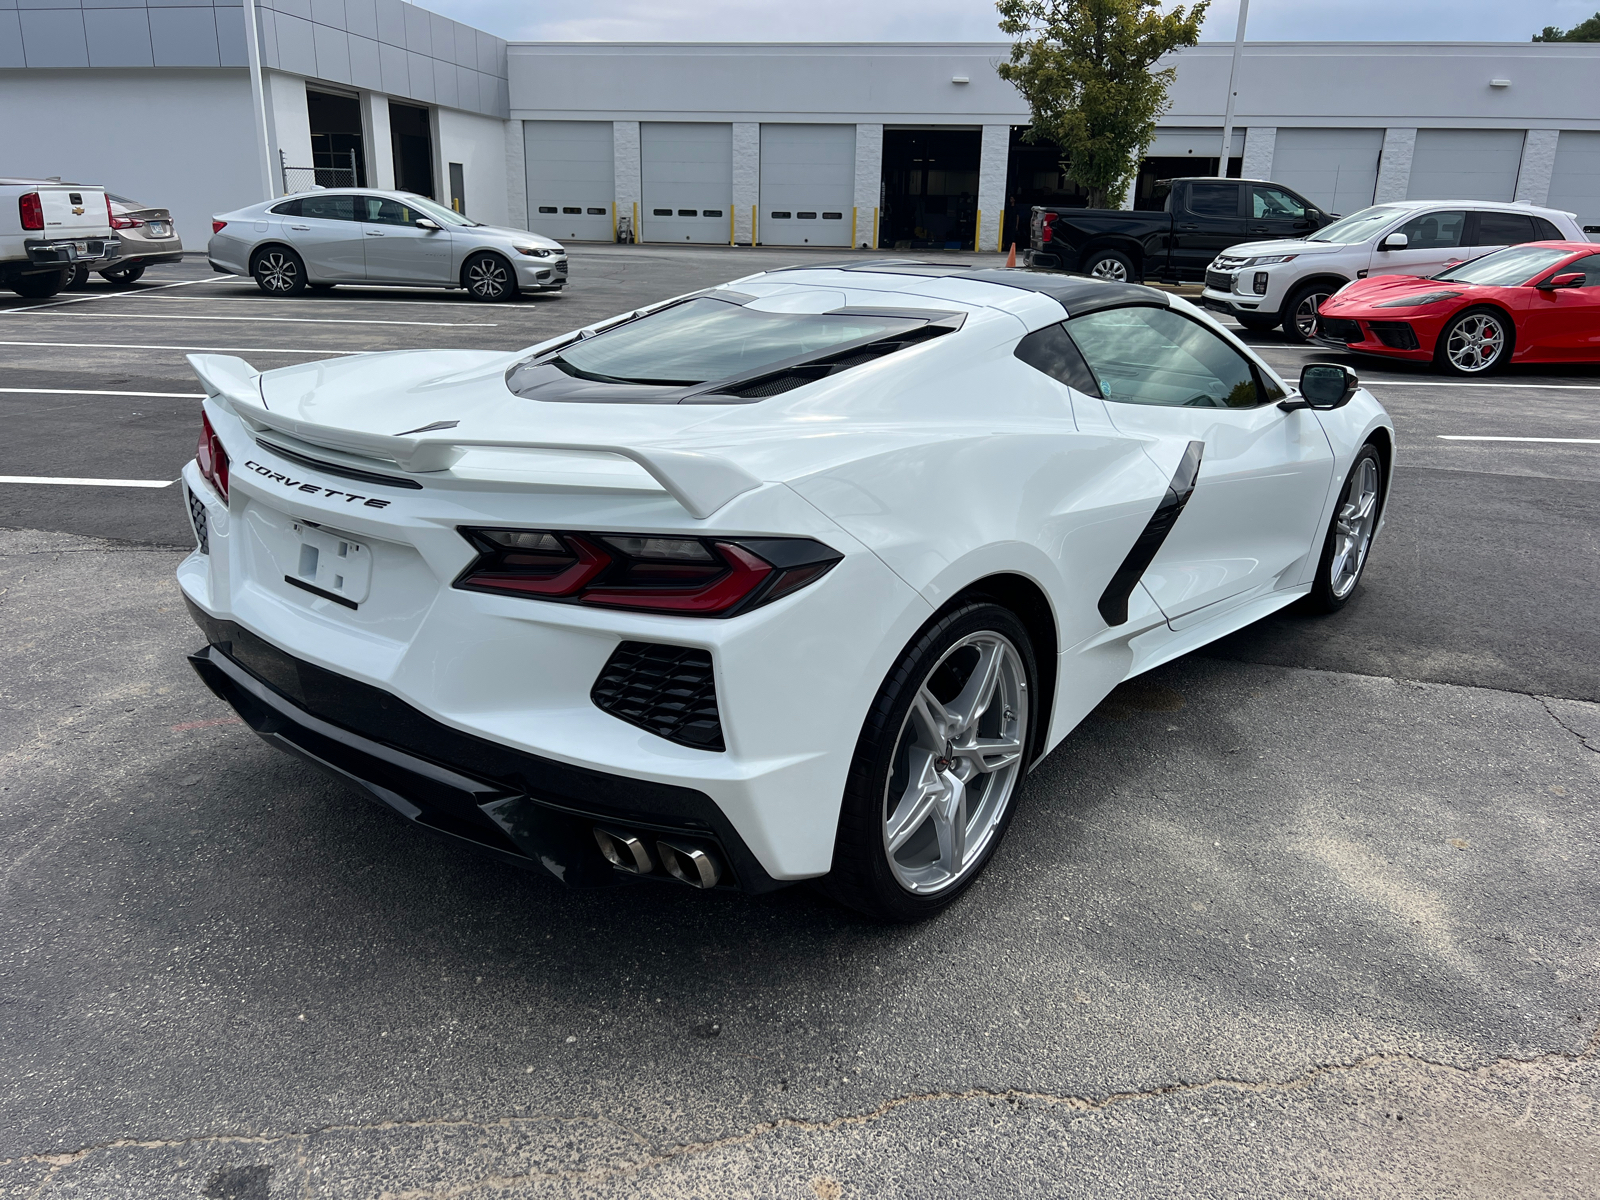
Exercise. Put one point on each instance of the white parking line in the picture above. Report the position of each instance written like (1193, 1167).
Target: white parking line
(1475, 437)
(93, 392)
(288, 320)
(195, 349)
(114, 295)
(144, 483)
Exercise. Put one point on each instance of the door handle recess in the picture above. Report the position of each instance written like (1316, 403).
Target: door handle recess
(301, 228)
(374, 233)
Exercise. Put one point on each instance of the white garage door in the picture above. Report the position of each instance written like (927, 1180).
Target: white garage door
(1575, 185)
(1465, 164)
(808, 179)
(570, 179)
(1335, 168)
(687, 173)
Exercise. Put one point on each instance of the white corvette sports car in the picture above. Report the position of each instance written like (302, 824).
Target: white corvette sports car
(793, 577)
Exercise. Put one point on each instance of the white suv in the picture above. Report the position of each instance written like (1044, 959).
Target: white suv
(1261, 284)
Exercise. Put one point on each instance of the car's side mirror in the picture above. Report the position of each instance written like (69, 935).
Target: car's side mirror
(1565, 280)
(1395, 241)
(1324, 386)
(424, 223)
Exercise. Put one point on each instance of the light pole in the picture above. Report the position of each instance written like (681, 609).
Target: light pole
(1233, 86)
(258, 96)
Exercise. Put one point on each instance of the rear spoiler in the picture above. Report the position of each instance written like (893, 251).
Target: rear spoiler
(701, 482)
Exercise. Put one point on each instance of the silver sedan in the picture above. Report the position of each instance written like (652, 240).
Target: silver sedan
(317, 239)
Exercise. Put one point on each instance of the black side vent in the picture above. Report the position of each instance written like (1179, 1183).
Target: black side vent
(669, 690)
(1336, 329)
(1394, 334)
(197, 515)
(787, 378)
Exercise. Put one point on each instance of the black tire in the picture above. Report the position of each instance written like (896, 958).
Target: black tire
(1299, 315)
(122, 276)
(1257, 324)
(78, 277)
(488, 277)
(1113, 265)
(863, 876)
(278, 271)
(1337, 580)
(41, 286)
(1465, 358)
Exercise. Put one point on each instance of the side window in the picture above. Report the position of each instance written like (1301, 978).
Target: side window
(1434, 231)
(378, 211)
(1589, 265)
(1214, 199)
(1050, 350)
(1504, 229)
(1544, 231)
(289, 208)
(1155, 356)
(1269, 203)
(329, 208)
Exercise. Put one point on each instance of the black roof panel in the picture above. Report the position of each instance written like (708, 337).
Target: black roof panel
(1074, 292)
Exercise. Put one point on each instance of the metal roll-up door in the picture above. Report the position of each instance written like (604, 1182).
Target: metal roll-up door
(1465, 164)
(1575, 182)
(687, 176)
(571, 182)
(808, 179)
(1335, 168)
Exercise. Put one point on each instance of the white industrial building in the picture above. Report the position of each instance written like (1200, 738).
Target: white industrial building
(836, 144)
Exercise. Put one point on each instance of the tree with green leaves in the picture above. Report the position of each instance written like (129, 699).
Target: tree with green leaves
(1583, 31)
(1084, 68)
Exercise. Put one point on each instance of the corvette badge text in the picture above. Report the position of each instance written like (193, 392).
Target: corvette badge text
(315, 489)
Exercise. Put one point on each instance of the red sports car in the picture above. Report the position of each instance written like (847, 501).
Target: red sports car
(1534, 303)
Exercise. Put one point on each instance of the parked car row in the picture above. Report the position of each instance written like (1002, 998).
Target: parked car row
(327, 237)
(53, 234)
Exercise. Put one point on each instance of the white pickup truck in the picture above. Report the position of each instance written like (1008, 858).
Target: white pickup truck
(47, 228)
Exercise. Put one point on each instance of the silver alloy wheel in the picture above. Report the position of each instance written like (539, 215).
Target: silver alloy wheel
(1109, 268)
(1305, 313)
(487, 277)
(276, 271)
(1476, 342)
(956, 763)
(1353, 525)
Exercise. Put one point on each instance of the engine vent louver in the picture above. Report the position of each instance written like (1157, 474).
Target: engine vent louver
(669, 690)
(197, 515)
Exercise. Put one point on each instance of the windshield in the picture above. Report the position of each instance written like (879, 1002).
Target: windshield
(441, 214)
(1511, 267)
(705, 339)
(1357, 227)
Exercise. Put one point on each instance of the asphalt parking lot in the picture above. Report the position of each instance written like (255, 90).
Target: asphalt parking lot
(1313, 912)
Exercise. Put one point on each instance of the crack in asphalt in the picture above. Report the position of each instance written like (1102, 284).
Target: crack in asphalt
(1013, 1096)
(1545, 701)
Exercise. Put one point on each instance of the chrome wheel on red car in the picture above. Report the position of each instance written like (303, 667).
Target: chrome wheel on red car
(1474, 343)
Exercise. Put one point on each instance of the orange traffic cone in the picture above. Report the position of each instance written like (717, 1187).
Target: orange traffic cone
(1011, 259)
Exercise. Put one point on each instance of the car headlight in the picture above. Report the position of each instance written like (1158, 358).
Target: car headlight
(535, 251)
(1415, 301)
(1269, 260)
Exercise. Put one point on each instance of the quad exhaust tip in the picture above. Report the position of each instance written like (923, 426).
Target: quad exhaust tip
(689, 864)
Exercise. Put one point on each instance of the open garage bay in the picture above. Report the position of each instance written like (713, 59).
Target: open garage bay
(1312, 912)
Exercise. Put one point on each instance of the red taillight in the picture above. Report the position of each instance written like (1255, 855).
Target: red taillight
(212, 458)
(32, 211)
(218, 226)
(110, 216)
(1046, 233)
(125, 222)
(688, 576)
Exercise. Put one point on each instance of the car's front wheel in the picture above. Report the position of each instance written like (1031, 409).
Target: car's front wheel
(488, 277)
(1474, 343)
(1300, 312)
(1355, 520)
(279, 271)
(932, 786)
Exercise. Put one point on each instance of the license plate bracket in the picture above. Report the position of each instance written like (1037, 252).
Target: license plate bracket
(331, 564)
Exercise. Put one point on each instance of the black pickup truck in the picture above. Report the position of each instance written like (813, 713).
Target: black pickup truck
(1202, 218)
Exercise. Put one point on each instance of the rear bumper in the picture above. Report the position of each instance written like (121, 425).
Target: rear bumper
(522, 808)
(64, 252)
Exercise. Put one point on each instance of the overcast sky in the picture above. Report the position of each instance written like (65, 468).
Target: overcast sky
(974, 20)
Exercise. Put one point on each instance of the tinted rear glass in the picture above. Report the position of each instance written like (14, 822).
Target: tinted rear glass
(705, 339)
(1214, 199)
(1504, 229)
